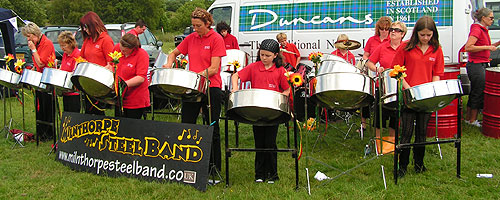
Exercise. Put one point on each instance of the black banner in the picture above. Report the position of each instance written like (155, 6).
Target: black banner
(144, 149)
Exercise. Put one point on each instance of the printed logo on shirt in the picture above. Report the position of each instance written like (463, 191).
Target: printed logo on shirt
(271, 85)
(130, 65)
(97, 46)
(207, 47)
(432, 59)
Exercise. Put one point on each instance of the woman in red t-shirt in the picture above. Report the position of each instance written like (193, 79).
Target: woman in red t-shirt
(479, 46)
(423, 57)
(384, 55)
(67, 42)
(381, 35)
(97, 44)
(133, 69)
(266, 73)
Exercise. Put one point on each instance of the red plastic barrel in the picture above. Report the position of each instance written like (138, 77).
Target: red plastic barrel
(491, 109)
(447, 117)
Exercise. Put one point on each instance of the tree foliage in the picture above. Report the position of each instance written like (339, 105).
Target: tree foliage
(31, 10)
(64, 12)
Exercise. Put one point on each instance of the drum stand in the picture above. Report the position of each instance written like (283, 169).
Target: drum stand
(7, 126)
(55, 109)
(457, 141)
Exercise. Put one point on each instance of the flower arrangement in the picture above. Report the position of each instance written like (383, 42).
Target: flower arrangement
(9, 57)
(311, 124)
(181, 62)
(294, 79)
(115, 56)
(398, 72)
(19, 66)
(52, 60)
(315, 57)
(79, 59)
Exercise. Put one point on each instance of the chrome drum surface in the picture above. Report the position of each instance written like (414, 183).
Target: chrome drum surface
(432, 96)
(9, 79)
(178, 84)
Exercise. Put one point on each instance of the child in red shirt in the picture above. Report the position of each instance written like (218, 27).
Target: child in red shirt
(344, 53)
(267, 73)
(423, 57)
(290, 51)
(67, 42)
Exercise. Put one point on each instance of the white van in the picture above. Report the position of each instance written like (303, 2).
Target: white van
(313, 25)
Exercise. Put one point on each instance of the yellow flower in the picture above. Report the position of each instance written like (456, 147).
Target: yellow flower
(236, 64)
(79, 59)
(19, 66)
(115, 56)
(296, 79)
(311, 124)
(398, 72)
(315, 57)
(8, 58)
(184, 62)
(52, 59)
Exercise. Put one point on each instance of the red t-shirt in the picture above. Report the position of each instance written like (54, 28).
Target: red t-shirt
(68, 63)
(291, 58)
(136, 64)
(133, 32)
(420, 67)
(349, 57)
(483, 39)
(383, 54)
(231, 42)
(373, 43)
(45, 50)
(97, 52)
(201, 50)
(262, 78)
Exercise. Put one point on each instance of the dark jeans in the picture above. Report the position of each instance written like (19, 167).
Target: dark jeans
(131, 113)
(476, 74)
(44, 107)
(408, 119)
(190, 111)
(71, 103)
(266, 163)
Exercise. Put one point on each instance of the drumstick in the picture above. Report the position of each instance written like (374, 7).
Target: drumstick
(286, 51)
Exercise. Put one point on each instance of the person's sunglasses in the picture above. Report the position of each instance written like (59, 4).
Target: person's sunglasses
(492, 18)
(395, 29)
(384, 29)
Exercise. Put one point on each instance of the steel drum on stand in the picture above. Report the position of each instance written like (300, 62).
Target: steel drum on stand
(388, 89)
(432, 96)
(178, 84)
(447, 117)
(258, 107)
(344, 90)
(33, 79)
(9, 79)
(59, 79)
(491, 109)
(96, 81)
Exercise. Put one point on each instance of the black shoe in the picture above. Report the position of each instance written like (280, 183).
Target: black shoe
(420, 169)
(401, 173)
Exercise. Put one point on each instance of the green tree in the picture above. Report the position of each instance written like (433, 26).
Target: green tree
(32, 10)
(64, 12)
(182, 17)
(121, 11)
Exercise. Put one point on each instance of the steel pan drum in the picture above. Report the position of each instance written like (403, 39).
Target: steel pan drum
(232, 55)
(344, 90)
(178, 84)
(9, 79)
(96, 81)
(388, 89)
(432, 96)
(258, 107)
(32, 79)
(59, 79)
(329, 66)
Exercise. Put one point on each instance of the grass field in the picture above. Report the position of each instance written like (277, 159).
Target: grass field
(30, 173)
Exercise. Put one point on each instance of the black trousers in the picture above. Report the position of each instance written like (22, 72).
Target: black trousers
(190, 111)
(266, 163)
(71, 103)
(131, 113)
(476, 73)
(387, 114)
(44, 107)
(408, 119)
(90, 109)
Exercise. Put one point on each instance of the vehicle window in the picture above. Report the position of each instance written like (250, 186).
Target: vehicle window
(188, 30)
(52, 35)
(495, 7)
(20, 39)
(222, 14)
(2, 47)
(115, 35)
(149, 37)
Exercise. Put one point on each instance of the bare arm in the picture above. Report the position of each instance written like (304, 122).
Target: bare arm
(134, 82)
(171, 58)
(373, 67)
(435, 78)
(234, 82)
(471, 47)
(297, 63)
(287, 91)
(214, 67)
(366, 55)
(36, 56)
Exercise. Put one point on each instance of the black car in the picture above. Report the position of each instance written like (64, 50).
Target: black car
(178, 39)
(52, 32)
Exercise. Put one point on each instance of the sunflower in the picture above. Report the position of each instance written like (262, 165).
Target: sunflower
(184, 62)
(296, 79)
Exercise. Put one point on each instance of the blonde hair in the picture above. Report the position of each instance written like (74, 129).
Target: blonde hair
(403, 26)
(31, 28)
(203, 15)
(281, 36)
(342, 37)
(66, 37)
